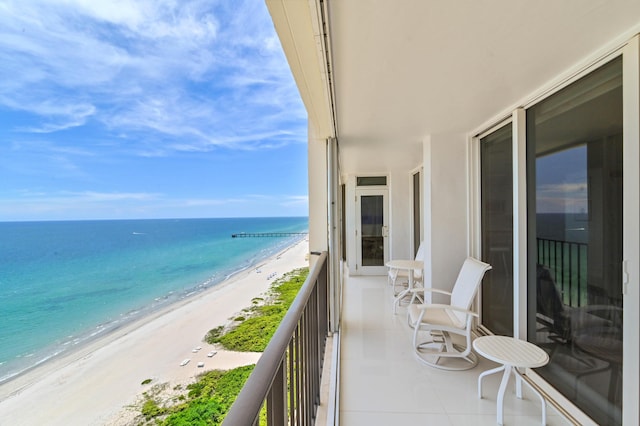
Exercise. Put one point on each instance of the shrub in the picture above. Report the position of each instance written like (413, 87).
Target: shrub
(151, 409)
(254, 333)
(214, 334)
(210, 398)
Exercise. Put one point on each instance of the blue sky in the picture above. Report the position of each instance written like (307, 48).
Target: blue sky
(147, 109)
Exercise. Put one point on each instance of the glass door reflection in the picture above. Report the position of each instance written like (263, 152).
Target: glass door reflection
(574, 154)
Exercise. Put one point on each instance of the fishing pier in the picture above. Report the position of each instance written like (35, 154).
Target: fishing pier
(266, 234)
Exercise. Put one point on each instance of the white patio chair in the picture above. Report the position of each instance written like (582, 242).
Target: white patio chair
(441, 321)
(401, 275)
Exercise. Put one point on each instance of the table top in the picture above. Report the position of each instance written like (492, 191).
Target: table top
(510, 351)
(405, 264)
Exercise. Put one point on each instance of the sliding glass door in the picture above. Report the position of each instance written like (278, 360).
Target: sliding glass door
(574, 189)
(496, 167)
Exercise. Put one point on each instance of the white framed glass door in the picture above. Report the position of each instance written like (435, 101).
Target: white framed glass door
(372, 231)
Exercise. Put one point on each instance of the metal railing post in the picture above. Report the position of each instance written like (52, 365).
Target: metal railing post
(276, 400)
(565, 260)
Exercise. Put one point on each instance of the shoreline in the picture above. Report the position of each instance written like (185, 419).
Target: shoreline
(67, 387)
(60, 350)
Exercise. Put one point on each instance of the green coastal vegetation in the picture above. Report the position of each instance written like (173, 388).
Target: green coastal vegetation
(207, 401)
(254, 328)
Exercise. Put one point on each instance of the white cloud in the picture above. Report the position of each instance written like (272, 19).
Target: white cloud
(185, 75)
(568, 197)
(204, 202)
(564, 188)
(27, 204)
(46, 147)
(118, 12)
(75, 197)
(65, 117)
(92, 196)
(296, 200)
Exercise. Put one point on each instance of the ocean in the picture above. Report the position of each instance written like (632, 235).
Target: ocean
(65, 283)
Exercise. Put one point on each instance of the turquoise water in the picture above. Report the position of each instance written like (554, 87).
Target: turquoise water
(63, 283)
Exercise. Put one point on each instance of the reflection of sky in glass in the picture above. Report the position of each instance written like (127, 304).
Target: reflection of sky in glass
(561, 181)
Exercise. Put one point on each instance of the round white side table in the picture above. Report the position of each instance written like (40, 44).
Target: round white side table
(512, 354)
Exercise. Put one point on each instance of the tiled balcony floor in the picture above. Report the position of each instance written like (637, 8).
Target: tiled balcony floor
(383, 383)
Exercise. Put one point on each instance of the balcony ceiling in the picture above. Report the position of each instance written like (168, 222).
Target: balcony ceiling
(406, 69)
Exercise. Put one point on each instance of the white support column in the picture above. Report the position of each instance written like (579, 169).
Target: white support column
(426, 214)
(446, 213)
(333, 191)
(318, 221)
(519, 223)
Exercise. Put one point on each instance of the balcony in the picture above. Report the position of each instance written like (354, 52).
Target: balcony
(382, 382)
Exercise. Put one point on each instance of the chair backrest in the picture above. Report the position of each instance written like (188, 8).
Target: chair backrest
(417, 273)
(466, 286)
(550, 307)
(420, 252)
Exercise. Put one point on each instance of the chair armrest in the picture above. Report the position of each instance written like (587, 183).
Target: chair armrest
(430, 290)
(425, 306)
(595, 316)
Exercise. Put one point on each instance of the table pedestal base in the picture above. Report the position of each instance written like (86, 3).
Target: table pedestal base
(508, 369)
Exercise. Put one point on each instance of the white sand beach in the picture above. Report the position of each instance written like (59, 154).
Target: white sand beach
(94, 385)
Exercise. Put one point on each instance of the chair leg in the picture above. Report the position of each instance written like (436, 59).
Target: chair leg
(442, 348)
